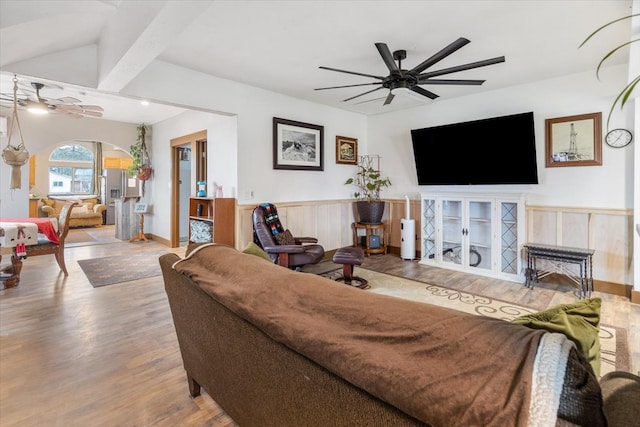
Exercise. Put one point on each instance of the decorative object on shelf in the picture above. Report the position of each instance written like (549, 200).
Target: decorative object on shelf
(574, 140)
(202, 189)
(297, 145)
(15, 156)
(369, 182)
(618, 138)
(346, 150)
(626, 92)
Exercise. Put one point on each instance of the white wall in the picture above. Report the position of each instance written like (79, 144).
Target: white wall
(40, 133)
(255, 109)
(606, 186)
(221, 163)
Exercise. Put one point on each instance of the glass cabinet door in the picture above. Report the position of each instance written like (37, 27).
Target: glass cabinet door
(478, 254)
(452, 231)
(509, 237)
(429, 229)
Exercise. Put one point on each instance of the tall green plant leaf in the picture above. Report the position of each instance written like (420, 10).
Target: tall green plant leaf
(624, 95)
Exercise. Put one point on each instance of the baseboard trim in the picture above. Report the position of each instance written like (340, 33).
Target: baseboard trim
(158, 239)
(635, 297)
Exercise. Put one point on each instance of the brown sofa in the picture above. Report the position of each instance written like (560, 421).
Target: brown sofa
(275, 347)
(88, 212)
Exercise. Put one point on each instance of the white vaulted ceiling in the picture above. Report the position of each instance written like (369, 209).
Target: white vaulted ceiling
(93, 49)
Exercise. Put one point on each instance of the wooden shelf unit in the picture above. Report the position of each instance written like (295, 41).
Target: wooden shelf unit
(220, 212)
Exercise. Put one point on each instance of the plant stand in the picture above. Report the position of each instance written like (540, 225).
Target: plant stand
(140, 235)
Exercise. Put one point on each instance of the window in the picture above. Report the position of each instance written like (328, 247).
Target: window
(71, 170)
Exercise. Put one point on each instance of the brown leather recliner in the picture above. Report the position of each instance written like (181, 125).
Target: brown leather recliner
(301, 251)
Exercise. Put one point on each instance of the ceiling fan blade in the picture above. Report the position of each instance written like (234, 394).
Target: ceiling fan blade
(339, 87)
(78, 108)
(91, 113)
(387, 57)
(389, 98)
(424, 92)
(469, 66)
(91, 107)
(65, 100)
(352, 72)
(370, 100)
(448, 50)
(450, 82)
(353, 97)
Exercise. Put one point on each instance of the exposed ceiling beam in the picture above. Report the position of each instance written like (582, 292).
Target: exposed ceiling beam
(137, 34)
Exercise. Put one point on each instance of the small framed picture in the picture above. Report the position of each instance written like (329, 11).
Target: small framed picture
(346, 150)
(140, 208)
(574, 140)
(297, 145)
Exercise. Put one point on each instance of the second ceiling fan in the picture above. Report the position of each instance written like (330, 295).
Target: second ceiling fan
(412, 79)
(30, 99)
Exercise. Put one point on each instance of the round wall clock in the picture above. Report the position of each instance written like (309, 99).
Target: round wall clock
(618, 138)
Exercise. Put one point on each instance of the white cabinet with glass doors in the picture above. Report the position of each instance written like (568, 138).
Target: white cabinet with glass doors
(478, 234)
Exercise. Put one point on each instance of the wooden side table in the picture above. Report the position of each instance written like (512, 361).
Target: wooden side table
(371, 230)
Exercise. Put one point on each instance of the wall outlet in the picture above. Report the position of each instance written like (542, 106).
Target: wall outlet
(249, 194)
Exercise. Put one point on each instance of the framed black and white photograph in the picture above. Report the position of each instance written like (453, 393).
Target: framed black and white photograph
(346, 150)
(574, 140)
(297, 145)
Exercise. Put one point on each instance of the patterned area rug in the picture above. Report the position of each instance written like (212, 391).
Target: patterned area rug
(121, 268)
(613, 341)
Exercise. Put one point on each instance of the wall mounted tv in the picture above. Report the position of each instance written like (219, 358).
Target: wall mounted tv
(498, 150)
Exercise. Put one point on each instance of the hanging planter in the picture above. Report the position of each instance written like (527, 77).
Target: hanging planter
(141, 166)
(144, 173)
(15, 156)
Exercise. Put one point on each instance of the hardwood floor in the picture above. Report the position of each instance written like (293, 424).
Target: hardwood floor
(71, 354)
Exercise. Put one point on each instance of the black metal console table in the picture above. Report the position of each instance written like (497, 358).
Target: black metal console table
(561, 255)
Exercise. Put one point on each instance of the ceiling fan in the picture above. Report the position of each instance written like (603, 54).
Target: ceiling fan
(411, 80)
(34, 102)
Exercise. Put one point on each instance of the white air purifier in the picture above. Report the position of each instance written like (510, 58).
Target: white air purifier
(407, 235)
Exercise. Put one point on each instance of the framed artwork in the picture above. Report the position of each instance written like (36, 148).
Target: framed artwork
(140, 208)
(574, 140)
(297, 145)
(346, 150)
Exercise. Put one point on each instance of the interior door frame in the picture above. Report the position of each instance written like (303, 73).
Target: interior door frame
(194, 140)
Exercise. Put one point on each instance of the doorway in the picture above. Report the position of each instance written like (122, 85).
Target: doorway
(186, 151)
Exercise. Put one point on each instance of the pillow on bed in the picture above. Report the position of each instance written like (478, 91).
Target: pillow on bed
(285, 238)
(579, 321)
(253, 249)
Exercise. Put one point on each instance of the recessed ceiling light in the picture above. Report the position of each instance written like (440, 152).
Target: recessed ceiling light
(145, 103)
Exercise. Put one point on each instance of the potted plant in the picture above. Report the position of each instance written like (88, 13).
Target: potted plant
(369, 181)
(141, 166)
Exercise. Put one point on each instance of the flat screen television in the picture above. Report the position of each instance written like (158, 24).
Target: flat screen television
(498, 150)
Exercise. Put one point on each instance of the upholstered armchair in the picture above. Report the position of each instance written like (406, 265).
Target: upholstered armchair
(281, 246)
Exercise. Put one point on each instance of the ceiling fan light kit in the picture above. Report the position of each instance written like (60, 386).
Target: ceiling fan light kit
(401, 80)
